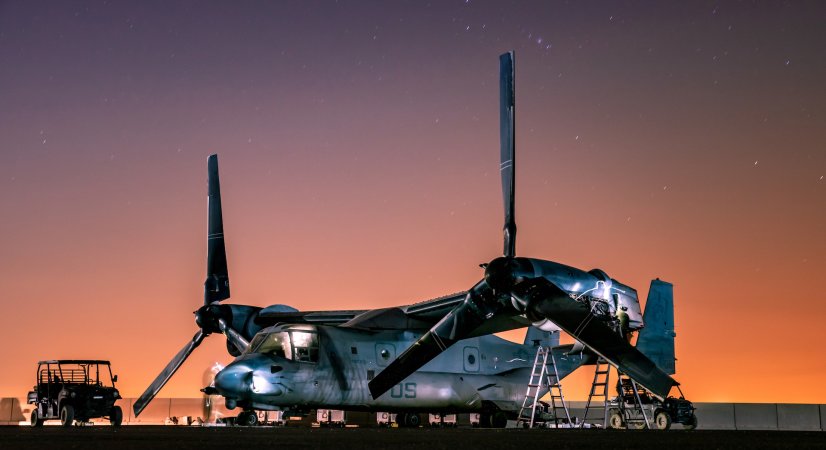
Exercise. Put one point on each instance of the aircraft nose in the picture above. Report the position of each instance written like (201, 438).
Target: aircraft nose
(249, 377)
(234, 381)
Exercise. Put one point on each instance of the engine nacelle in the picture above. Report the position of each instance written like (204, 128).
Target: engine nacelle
(594, 286)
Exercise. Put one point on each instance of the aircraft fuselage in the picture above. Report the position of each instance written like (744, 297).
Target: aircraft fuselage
(302, 367)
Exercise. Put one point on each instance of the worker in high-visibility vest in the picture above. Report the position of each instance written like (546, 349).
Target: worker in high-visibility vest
(623, 319)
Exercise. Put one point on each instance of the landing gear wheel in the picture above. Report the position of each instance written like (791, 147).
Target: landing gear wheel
(662, 420)
(484, 420)
(412, 420)
(615, 420)
(247, 419)
(36, 420)
(116, 416)
(692, 423)
(498, 420)
(67, 415)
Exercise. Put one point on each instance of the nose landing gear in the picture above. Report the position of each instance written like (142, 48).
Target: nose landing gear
(247, 418)
(408, 420)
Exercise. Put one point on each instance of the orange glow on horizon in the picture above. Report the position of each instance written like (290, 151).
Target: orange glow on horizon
(359, 161)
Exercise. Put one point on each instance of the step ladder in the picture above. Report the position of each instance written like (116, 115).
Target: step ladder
(544, 369)
(630, 390)
(599, 388)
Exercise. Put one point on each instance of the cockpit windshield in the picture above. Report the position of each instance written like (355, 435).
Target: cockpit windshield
(276, 344)
(297, 344)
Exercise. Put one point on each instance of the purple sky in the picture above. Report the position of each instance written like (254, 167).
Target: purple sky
(359, 147)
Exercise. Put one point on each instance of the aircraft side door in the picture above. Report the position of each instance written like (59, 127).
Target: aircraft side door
(471, 359)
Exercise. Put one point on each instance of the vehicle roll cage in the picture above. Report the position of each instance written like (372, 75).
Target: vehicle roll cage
(60, 375)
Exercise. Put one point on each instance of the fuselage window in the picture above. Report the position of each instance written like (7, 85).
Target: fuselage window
(305, 346)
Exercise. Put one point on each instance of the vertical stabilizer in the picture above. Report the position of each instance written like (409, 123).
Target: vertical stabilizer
(656, 340)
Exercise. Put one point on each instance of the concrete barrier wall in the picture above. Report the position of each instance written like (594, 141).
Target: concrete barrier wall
(823, 417)
(799, 417)
(710, 416)
(715, 416)
(741, 416)
(755, 416)
(14, 411)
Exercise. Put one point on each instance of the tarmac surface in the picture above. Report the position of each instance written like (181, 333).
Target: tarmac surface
(182, 438)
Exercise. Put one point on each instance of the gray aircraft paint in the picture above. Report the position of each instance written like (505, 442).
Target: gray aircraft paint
(468, 376)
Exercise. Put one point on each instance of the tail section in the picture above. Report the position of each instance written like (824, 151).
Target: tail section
(536, 337)
(656, 340)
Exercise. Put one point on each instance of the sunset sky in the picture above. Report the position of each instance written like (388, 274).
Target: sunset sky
(358, 145)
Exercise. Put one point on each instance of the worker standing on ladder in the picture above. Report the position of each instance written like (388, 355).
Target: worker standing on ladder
(623, 319)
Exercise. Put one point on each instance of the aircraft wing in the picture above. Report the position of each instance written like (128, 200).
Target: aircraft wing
(432, 311)
(417, 316)
(267, 318)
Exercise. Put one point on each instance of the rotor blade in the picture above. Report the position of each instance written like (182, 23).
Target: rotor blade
(167, 373)
(506, 154)
(545, 299)
(216, 286)
(455, 325)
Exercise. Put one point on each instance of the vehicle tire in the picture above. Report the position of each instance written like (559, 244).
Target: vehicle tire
(247, 419)
(116, 416)
(615, 420)
(67, 415)
(662, 420)
(691, 424)
(498, 420)
(484, 420)
(412, 420)
(36, 420)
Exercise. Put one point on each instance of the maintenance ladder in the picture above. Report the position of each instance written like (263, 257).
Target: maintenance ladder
(545, 363)
(599, 388)
(630, 393)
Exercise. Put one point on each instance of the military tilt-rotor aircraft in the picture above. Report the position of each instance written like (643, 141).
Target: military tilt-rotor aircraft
(292, 360)
(297, 361)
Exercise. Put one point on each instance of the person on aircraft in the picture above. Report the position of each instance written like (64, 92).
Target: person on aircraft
(623, 322)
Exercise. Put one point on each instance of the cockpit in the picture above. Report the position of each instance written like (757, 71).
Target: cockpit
(296, 342)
